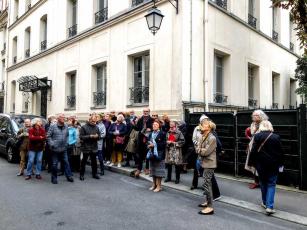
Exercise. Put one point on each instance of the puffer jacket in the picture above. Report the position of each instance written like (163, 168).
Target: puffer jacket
(57, 137)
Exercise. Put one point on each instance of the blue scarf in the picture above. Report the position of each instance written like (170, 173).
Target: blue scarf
(154, 135)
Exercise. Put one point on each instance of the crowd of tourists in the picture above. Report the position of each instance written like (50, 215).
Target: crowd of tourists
(156, 145)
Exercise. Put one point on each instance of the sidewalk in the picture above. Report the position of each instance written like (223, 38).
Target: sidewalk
(290, 205)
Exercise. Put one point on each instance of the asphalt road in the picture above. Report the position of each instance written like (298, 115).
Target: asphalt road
(114, 202)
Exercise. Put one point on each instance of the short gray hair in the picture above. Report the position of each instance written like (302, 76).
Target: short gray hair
(35, 121)
(266, 126)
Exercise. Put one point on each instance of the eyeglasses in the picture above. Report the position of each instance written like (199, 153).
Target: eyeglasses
(155, 115)
(145, 111)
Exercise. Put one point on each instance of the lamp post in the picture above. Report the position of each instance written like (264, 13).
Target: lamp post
(154, 17)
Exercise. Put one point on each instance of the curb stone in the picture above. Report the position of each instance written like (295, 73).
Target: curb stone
(294, 218)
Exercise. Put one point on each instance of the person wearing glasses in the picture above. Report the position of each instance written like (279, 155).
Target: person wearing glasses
(144, 127)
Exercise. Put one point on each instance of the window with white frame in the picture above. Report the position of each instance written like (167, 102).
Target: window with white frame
(218, 81)
(275, 90)
(100, 85)
(291, 34)
(252, 19)
(14, 50)
(139, 93)
(292, 94)
(252, 82)
(71, 90)
(275, 23)
(27, 41)
(101, 11)
(16, 9)
(220, 3)
(72, 17)
(43, 33)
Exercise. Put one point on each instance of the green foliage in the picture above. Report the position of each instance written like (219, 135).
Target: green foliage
(301, 76)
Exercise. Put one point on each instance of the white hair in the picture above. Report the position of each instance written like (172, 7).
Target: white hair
(120, 117)
(35, 121)
(261, 114)
(266, 126)
(202, 118)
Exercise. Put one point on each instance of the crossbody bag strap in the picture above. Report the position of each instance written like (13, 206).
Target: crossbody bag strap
(262, 144)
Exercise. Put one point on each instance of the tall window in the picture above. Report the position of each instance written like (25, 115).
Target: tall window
(275, 90)
(71, 90)
(102, 11)
(43, 33)
(27, 42)
(139, 93)
(252, 97)
(72, 20)
(292, 99)
(16, 9)
(14, 51)
(291, 34)
(13, 92)
(275, 24)
(138, 2)
(218, 83)
(100, 89)
(220, 3)
(252, 20)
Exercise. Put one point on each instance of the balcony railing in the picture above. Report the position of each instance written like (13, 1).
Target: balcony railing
(252, 21)
(220, 3)
(71, 102)
(72, 31)
(101, 15)
(27, 53)
(275, 106)
(291, 46)
(252, 103)
(275, 36)
(15, 60)
(99, 98)
(138, 2)
(220, 98)
(43, 45)
(139, 95)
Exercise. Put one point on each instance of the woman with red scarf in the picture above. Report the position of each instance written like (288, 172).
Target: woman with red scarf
(174, 143)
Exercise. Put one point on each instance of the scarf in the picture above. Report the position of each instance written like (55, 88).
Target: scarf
(154, 135)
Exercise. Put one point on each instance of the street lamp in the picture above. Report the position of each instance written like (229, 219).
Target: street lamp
(154, 17)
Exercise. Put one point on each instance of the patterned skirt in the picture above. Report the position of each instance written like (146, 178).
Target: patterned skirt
(157, 168)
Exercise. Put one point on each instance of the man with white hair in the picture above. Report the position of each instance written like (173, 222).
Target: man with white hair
(57, 140)
(89, 135)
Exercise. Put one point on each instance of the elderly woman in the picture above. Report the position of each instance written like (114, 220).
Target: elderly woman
(117, 131)
(100, 143)
(267, 157)
(173, 156)
(37, 139)
(156, 155)
(257, 117)
(206, 150)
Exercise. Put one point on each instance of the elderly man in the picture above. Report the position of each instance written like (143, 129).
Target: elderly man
(89, 135)
(57, 140)
(23, 139)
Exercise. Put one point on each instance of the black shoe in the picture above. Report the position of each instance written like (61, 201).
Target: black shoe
(81, 177)
(60, 174)
(177, 181)
(167, 180)
(70, 179)
(102, 173)
(54, 181)
(193, 187)
(96, 177)
(126, 165)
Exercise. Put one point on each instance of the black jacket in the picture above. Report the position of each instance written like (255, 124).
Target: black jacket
(140, 123)
(89, 144)
(161, 144)
(270, 156)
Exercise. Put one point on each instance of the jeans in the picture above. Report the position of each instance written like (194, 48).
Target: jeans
(55, 159)
(268, 185)
(32, 156)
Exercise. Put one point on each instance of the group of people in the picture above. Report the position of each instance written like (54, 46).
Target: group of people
(160, 143)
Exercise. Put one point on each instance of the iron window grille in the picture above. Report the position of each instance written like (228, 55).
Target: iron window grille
(252, 21)
(99, 98)
(27, 53)
(72, 31)
(220, 98)
(15, 59)
(252, 102)
(44, 45)
(71, 101)
(139, 95)
(275, 35)
(101, 15)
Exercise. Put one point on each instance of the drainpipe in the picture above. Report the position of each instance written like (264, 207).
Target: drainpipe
(206, 54)
(191, 47)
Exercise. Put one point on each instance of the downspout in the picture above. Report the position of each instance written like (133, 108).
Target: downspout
(205, 55)
(191, 47)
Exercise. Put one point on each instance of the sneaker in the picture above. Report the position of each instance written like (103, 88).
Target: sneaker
(216, 199)
(263, 205)
(270, 211)
(119, 165)
(111, 164)
(108, 163)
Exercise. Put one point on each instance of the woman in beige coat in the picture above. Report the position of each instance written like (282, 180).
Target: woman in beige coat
(206, 150)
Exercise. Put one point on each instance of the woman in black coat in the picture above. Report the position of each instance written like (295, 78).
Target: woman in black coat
(267, 157)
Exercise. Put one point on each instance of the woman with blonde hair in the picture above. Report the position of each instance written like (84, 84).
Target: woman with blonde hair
(206, 150)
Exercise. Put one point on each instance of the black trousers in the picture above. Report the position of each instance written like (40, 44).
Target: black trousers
(92, 155)
(169, 168)
(142, 152)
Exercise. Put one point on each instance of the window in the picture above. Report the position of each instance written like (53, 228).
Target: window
(16, 9)
(275, 90)
(72, 17)
(3, 39)
(220, 3)
(102, 11)
(71, 90)
(138, 2)
(253, 95)
(139, 93)
(13, 92)
(292, 94)
(14, 51)
(291, 34)
(252, 20)
(275, 24)
(43, 33)
(100, 85)
(28, 5)
(218, 85)
(27, 42)
(25, 102)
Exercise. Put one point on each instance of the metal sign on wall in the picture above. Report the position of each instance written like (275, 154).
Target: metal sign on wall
(33, 84)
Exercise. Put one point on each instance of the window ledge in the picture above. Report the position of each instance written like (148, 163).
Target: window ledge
(138, 105)
(98, 107)
(69, 109)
